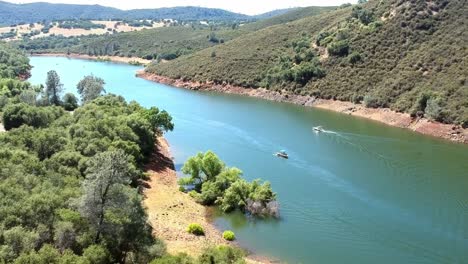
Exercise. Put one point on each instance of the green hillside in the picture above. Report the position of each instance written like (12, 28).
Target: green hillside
(410, 56)
(35, 12)
(291, 15)
(165, 43)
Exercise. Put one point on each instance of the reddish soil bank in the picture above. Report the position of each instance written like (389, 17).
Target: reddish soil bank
(384, 115)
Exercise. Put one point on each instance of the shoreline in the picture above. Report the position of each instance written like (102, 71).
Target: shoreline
(117, 59)
(170, 211)
(386, 116)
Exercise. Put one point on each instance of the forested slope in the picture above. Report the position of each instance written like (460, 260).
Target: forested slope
(410, 56)
(35, 12)
(164, 43)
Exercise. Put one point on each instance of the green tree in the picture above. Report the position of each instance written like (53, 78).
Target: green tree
(53, 88)
(203, 167)
(106, 178)
(70, 102)
(90, 88)
(114, 209)
(97, 254)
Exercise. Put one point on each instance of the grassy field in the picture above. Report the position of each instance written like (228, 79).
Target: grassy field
(98, 27)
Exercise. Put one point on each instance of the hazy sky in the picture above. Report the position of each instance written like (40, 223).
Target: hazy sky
(249, 7)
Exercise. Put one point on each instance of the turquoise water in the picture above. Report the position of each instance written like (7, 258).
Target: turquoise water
(361, 192)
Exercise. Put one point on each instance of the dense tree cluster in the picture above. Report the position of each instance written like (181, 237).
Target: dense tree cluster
(49, 198)
(214, 183)
(84, 24)
(13, 63)
(69, 181)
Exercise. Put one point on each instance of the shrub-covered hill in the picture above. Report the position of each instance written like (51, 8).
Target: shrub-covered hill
(289, 16)
(165, 43)
(410, 56)
(11, 13)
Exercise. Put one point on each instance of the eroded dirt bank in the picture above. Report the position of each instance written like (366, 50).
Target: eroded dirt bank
(383, 115)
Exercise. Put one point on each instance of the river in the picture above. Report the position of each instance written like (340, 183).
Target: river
(361, 192)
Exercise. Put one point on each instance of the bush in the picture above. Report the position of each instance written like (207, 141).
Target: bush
(434, 110)
(229, 235)
(70, 102)
(355, 57)
(178, 259)
(97, 254)
(195, 229)
(370, 101)
(222, 254)
(16, 115)
(339, 48)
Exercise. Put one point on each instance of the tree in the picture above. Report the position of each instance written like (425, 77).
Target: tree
(113, 208)
(108, 174)
(90, 88)
(70, 102)
(53, 88)
(203, 167)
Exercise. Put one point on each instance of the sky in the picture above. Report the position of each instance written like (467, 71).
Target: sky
(249, 7)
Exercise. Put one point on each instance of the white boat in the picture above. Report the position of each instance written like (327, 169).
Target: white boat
(282, 154)
(318, 129)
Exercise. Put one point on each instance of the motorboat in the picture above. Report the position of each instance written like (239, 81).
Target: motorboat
(318, 129)
(282, 154)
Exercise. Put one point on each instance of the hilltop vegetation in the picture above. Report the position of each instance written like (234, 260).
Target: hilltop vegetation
(34, 12)
(407, 55)
(285, 17)
(162, 43)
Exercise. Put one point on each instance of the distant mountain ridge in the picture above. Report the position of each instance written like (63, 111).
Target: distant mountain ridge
(11, 13)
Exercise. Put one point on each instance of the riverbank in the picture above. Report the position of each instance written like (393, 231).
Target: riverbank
(131, 60)
(170, 211)
(383, 115)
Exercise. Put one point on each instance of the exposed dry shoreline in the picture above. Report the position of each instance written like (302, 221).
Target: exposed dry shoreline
(170, 211)
(383, 115)
(97, 58)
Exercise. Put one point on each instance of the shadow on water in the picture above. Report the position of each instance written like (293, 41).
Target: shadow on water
(239, 220)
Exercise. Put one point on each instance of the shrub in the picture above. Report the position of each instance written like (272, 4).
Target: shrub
(370, 101)
(339, 48)
(196, 229)
(222, 254)
(433, 110)
(229, 235)
(355, 57)
(97, 254)
(70, 102)
(181, 258)
(16, 115)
